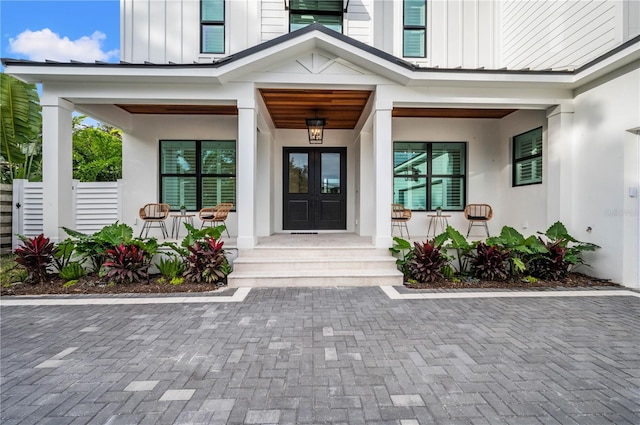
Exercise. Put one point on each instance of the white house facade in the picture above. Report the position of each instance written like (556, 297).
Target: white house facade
(531, 107)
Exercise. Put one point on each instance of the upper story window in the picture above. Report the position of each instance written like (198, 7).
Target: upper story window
(430, 175)
(307, 12)
(414, 37)
(527, 158)
(212, 26)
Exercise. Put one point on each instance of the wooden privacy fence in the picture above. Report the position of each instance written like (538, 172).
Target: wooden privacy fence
(94, 205)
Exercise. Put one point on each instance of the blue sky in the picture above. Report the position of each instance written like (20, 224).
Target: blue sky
(82, 30)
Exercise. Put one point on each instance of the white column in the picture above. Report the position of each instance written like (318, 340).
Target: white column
(560, 142)
(57, 169)
(383, 163)
(246, 176)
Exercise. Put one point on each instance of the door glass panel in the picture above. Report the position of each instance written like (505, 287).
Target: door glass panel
(298, 173)
(330, 174)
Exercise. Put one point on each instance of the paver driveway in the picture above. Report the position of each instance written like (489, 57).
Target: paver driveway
(324, 355)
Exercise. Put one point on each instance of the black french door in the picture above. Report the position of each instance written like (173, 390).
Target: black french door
(314, 189)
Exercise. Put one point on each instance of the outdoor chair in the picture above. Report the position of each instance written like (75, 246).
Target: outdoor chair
(400, 216)
(154, 215)
(216, 215)
(478, 215)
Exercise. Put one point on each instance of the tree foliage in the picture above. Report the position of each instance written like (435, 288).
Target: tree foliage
(97, 152)
(21, 130)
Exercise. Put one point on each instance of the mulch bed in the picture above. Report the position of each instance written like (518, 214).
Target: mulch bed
(573, 280)
(93, 284)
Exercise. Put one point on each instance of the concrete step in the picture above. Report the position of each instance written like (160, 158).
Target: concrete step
(315, 278)
(313, 252)
(264, 264)
(278, 266)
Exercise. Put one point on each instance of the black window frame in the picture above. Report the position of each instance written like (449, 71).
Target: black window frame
(429, 176)
(198, 173)
(294, 11)
(406, 27)
(515, 161)
(209, 23)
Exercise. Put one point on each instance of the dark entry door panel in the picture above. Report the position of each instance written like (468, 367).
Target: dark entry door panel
(314, 189)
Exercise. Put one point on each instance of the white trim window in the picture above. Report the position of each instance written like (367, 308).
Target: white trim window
(527, 158)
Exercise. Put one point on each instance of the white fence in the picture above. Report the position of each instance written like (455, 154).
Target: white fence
(94, 205)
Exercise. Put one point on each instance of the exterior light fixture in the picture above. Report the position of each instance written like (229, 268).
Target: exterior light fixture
(315, 127)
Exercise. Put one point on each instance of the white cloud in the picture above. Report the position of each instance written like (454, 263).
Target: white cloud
(45, 44)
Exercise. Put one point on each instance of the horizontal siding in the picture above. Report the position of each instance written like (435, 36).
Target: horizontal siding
(273, 19)
(31, 210)
(557, 34)
(6, 205)
(96, 206)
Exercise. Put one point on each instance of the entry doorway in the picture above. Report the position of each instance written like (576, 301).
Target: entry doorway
(314, 188)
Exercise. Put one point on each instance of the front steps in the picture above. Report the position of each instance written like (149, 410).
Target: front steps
(314, 266)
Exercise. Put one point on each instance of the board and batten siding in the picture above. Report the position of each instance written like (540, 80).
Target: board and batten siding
(562, 34)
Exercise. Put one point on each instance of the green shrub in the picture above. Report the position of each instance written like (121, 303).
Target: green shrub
(171, 267)
(72, 271)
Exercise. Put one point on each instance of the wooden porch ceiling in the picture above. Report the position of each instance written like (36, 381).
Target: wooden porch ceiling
(290, 107)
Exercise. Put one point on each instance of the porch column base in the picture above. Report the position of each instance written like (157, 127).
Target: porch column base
(383, 241)
(246, 242)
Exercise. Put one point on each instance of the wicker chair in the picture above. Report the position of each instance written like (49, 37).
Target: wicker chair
(399, 218)
(154, 215)
(215, 215)
(478, 215)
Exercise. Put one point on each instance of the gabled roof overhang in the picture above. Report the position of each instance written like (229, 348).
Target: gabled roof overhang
(314, 37)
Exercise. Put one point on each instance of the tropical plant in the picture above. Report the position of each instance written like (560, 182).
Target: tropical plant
(93, 248)
(206, 261)
(36, 255)
(126, 264)
(427, 262)
(451, 239)
(489, 262)
(403, 251)
(71, 271)
(21, 130)
(97, 152)
(171, 267)
(63, 253)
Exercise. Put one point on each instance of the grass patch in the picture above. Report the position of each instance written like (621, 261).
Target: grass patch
(10, 271)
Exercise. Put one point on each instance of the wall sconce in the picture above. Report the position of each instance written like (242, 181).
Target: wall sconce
(315, 127)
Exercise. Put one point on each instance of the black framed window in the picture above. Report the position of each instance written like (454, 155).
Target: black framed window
(414, 34)
(527, 158)
(197, 173)
(430, 175)
(212, 26)
(306, 12)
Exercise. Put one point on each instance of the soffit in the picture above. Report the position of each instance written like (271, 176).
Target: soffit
(289, 108)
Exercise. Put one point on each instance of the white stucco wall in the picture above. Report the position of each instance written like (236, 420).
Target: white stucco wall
(606, 167)
(140, 158)
(524, 207)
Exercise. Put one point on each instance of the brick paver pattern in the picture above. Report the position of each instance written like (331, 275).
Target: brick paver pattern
(324, 355)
